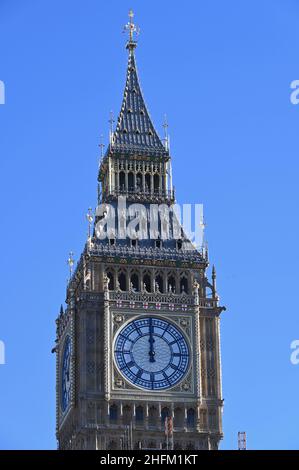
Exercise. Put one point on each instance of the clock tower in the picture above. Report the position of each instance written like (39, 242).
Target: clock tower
(138, 344)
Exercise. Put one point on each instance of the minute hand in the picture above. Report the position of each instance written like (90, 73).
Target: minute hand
(151, 342)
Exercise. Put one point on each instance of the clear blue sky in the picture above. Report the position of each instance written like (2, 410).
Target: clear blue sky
(221, 70)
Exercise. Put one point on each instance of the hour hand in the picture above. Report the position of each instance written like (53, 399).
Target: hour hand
(151, 342)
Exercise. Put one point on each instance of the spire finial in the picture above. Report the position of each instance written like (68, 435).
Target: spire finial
(102, 145)
(166, 137)
(111, 122)
(132, 29)
(214, 290)
(89, 218)
(71, 262)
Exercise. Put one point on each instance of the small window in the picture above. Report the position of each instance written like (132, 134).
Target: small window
(125, 131)
(112, 241)
(179, 244)
(134, 242)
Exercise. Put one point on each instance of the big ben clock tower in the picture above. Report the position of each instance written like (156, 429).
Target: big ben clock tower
(138, 344)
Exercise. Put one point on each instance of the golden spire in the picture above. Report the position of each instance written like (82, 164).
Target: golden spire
(132, 29)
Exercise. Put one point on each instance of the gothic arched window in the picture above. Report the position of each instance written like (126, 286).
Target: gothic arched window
(147, 182)
(147, 283)
(171, 284)
(159, 283)
(122, 180)
(139, 181)
(110, 281)
(135, 282)
(131, 181)
(122, 281)
(184, 285)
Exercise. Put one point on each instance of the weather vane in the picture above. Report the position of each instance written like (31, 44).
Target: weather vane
(131, 27)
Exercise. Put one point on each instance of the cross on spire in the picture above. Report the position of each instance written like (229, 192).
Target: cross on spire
(132, 29)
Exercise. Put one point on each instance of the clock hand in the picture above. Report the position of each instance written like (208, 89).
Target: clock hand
(151, 342)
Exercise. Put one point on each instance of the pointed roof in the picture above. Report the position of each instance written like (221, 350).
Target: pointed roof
(135, 132)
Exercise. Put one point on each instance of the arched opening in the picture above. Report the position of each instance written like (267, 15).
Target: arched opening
(127, 414)
(134, 282)
(147, 283)
(191, 418)
(113, 413)
(179, 416)
(184, 285)
(147, 182)
(122, 181)
(131, 181)
(122, 281)
(171, 284)
(179, 244)
(139, 415)
(156, 183)
(110, 281)
(159, 283)
(139, 181)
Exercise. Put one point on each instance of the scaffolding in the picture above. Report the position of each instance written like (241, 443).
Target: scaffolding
(241, 440)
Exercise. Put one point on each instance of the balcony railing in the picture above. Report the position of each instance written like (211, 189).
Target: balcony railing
(148, 253)
(138, 192)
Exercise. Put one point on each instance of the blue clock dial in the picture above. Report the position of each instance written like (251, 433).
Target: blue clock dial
(152, 353)
(66, 377)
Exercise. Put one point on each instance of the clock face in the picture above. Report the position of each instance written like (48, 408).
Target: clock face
(152, 353)
(66, 376)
